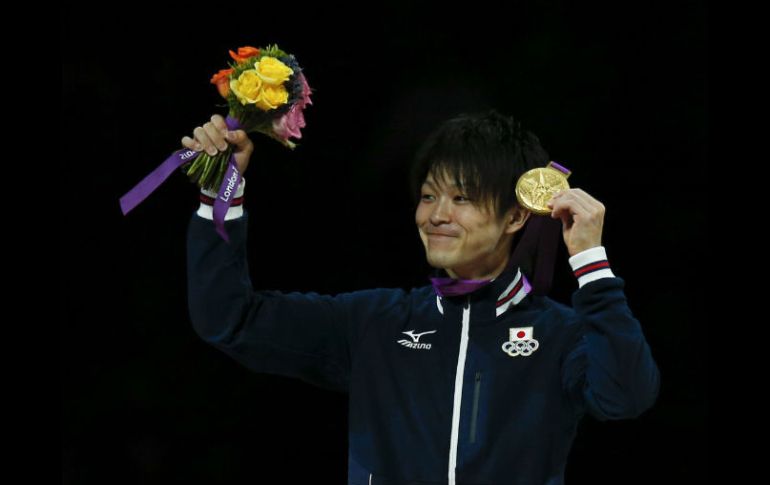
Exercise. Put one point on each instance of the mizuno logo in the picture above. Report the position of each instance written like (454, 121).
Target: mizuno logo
(415, 343)
(416, 336)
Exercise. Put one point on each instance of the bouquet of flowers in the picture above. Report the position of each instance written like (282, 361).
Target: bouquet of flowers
(266, 92)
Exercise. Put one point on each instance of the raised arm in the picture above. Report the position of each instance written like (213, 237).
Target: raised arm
(302, 335)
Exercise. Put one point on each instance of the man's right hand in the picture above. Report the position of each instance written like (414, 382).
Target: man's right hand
(213, 138)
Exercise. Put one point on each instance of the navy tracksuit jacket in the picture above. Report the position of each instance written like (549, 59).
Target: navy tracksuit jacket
(484, 388)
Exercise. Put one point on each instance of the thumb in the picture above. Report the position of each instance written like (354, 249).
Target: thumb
(243, 148)
(238, 138)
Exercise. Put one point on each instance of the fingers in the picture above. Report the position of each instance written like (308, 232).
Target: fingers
(219, 122)
(202, 137)
(216, 135)
(591, 206)
(569, 202)
(188, 142)
(575, 205)
(209, 137)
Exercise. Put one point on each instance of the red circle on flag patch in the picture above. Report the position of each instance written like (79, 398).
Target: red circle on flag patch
(520, 334)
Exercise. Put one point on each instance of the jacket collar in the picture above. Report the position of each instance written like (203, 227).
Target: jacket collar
(508, 289)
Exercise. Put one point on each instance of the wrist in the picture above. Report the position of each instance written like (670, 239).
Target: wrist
(208, 197)
(591, 265)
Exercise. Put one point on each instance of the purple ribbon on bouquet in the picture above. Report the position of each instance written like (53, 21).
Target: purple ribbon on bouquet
(151, 182)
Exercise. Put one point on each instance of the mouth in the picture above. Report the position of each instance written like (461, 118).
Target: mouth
(438, 233)
(439, 237)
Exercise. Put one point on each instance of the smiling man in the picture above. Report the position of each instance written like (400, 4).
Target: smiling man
(467, 239)
(477, 377)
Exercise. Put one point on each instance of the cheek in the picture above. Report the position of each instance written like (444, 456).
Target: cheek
(420, 215)
(476, 235)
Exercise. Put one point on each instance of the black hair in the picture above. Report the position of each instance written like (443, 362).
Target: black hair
(483, 153)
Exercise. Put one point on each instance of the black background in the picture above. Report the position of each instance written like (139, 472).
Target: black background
(617, 93)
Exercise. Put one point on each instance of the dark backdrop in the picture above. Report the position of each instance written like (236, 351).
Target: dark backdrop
(615, 93)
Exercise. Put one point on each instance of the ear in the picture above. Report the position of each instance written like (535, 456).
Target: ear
(516, 218)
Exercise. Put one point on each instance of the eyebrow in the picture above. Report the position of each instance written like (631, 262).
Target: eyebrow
(428, 182)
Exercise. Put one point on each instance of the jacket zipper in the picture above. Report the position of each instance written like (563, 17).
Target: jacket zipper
(475, 412)
(458, 394)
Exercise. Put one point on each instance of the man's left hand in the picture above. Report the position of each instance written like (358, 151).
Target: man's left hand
(582, 218)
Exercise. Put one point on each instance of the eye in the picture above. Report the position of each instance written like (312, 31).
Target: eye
(463, 197)
(426, 195)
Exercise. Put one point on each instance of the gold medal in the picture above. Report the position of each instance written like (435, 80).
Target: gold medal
(536, 187)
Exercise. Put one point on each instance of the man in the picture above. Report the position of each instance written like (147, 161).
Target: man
(478, 377)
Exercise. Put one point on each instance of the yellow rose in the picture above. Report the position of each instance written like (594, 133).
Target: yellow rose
(272, 71)
(247, 87)
(271, 97)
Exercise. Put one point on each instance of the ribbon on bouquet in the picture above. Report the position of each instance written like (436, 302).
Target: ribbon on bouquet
(151, 182)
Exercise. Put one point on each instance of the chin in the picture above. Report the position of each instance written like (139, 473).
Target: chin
(439, 262)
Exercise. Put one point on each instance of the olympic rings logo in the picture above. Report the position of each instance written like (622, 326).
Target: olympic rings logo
(520, 347)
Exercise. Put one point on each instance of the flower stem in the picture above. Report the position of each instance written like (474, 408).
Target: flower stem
(206, 177)
(223, 168)
(194, 171)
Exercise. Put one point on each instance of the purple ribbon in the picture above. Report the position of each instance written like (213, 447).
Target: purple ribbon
(560, 167)
(225, 196)
(151, 182)
(456, 286)
(227, 190)
(538, 245)
(143, 189)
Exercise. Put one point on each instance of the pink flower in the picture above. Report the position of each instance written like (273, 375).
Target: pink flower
(305, 91)
(289, 124)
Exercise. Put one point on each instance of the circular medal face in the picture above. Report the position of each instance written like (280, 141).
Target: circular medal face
(536, 187)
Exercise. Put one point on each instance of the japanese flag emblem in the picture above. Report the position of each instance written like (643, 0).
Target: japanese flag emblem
(520, 342)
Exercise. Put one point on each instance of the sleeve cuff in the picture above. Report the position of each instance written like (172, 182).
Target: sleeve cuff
(591, 265)
(206, 211)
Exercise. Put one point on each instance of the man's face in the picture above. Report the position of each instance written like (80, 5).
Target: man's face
(461, 235)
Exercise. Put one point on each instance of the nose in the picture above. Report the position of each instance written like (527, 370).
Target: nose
(441, 211)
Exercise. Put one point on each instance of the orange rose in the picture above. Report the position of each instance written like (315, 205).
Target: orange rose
(244, 53)
(221, 79)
